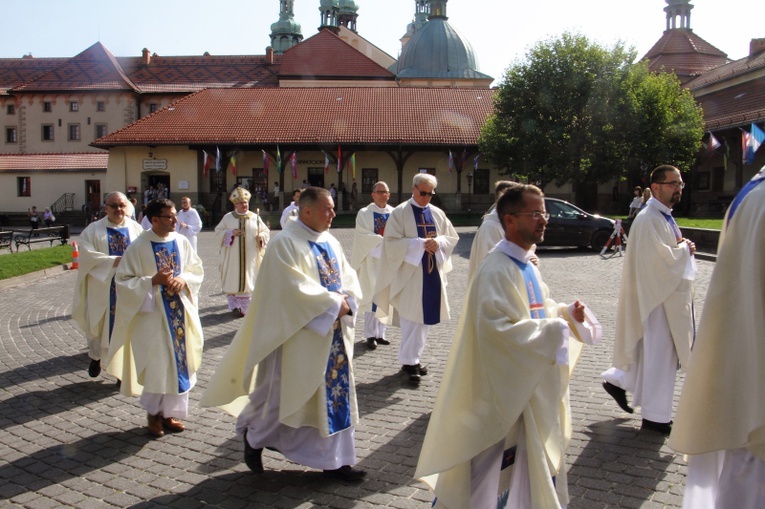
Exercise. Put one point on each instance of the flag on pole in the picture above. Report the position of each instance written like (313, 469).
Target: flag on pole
(451, 162)
(232, 162)
(339, 160)
(278, 160)
(475, 162)
(293, 164)
(753, 141)
(353, 166)
(265, 161)
(217, 159)
(208, 162)
(326, 161)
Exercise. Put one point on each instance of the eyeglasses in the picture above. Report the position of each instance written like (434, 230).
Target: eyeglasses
(117, 205)
(171, 216)
(536, 215)
(382, 192)
(425, 193)
(674, 183)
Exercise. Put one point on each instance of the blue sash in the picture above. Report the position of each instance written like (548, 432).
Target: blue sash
(533, 290)
(167, 255)
(673, 225)
(380, 220)
(757, 180)
(431, 279)
(118, 240)
(337, 375)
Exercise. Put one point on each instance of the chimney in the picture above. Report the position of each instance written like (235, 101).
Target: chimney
(146, 58)
(756, 46)
(269, 55)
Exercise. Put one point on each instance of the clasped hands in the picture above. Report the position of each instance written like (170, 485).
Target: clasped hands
(165, 278)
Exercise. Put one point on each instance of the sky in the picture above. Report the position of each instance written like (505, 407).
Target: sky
(500, 31)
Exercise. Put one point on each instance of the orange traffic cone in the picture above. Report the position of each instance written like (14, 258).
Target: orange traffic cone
(75, 256)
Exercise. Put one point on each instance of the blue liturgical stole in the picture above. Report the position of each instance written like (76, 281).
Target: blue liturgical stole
(673, 225)
(431, 279)
(167, 255)
(118, 240)
(337, 376)
(757, 180)
(380, 220)
(533, 290)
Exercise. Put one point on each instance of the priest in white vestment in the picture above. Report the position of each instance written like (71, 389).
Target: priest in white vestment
(288, 374)
(242, 236)
(365, 259)
(654, 321)
(501, 424)
(189, 223)
(156, 347)
(291, 210)
(720, 418)
(417, 248)
(101, 245)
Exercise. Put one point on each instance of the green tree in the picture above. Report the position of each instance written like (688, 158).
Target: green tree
(576, 111)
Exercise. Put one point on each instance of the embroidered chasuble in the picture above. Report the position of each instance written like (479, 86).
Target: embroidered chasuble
(431, 280)
(167, 255)
(337, 378)
(119, 240)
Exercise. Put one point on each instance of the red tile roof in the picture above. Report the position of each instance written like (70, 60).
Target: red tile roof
(84, 161)
(686, 54)
(733, 70)
(326, 56)
(734, 106)
(315, 116)
(17, 71)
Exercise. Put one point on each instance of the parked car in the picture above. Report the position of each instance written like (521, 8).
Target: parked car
(571, 226)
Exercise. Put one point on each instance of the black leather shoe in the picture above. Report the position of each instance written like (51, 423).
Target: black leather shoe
(253, 458)
(619, 395)
(382, 341)
(346, 473)
(665, 428)
(412, 371)
(94, 369)
(422, 369)
(371, 343)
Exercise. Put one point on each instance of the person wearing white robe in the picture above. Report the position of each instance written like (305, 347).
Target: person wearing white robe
(92, 304)
(291, 210)
(242, 236)
(156, 347)
(189, 222)
(501, 424)
(654, 321)
(720, 418)
(365, 259)
(280, 375)
(415, 289)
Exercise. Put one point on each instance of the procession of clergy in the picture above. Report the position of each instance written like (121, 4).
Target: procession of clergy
(503, 403)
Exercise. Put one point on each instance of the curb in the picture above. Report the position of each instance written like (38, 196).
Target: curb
(34, 276)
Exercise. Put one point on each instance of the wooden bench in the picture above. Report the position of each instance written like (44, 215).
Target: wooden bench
(60, 233)
(6, 240)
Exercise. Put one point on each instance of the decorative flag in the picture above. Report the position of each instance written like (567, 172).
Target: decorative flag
(293, 164)
(278, 160)
(713, 143)
(753, 141)
(339, 160)
(326, 162)
(475, 162)
(451, 162)
(353, 166)
(217, 159)
(265, 161)
(232, 162)
(464, 159)
(207, 163)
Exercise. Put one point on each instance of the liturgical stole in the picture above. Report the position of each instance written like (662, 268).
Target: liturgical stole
(167, 255)
(380, 220)
(337, 375)
(118, 240)
(533, 290)
(431, 279)
(673, 225)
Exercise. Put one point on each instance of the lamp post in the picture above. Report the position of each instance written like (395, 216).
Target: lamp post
(469, 178)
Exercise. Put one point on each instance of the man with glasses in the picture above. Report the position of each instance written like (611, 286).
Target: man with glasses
(417, 247)
(654, 321)
(501, 423)
(365, 258)
(156, 347)
(101, 244)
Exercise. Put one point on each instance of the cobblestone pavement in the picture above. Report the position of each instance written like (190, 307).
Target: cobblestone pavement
(68, 440)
